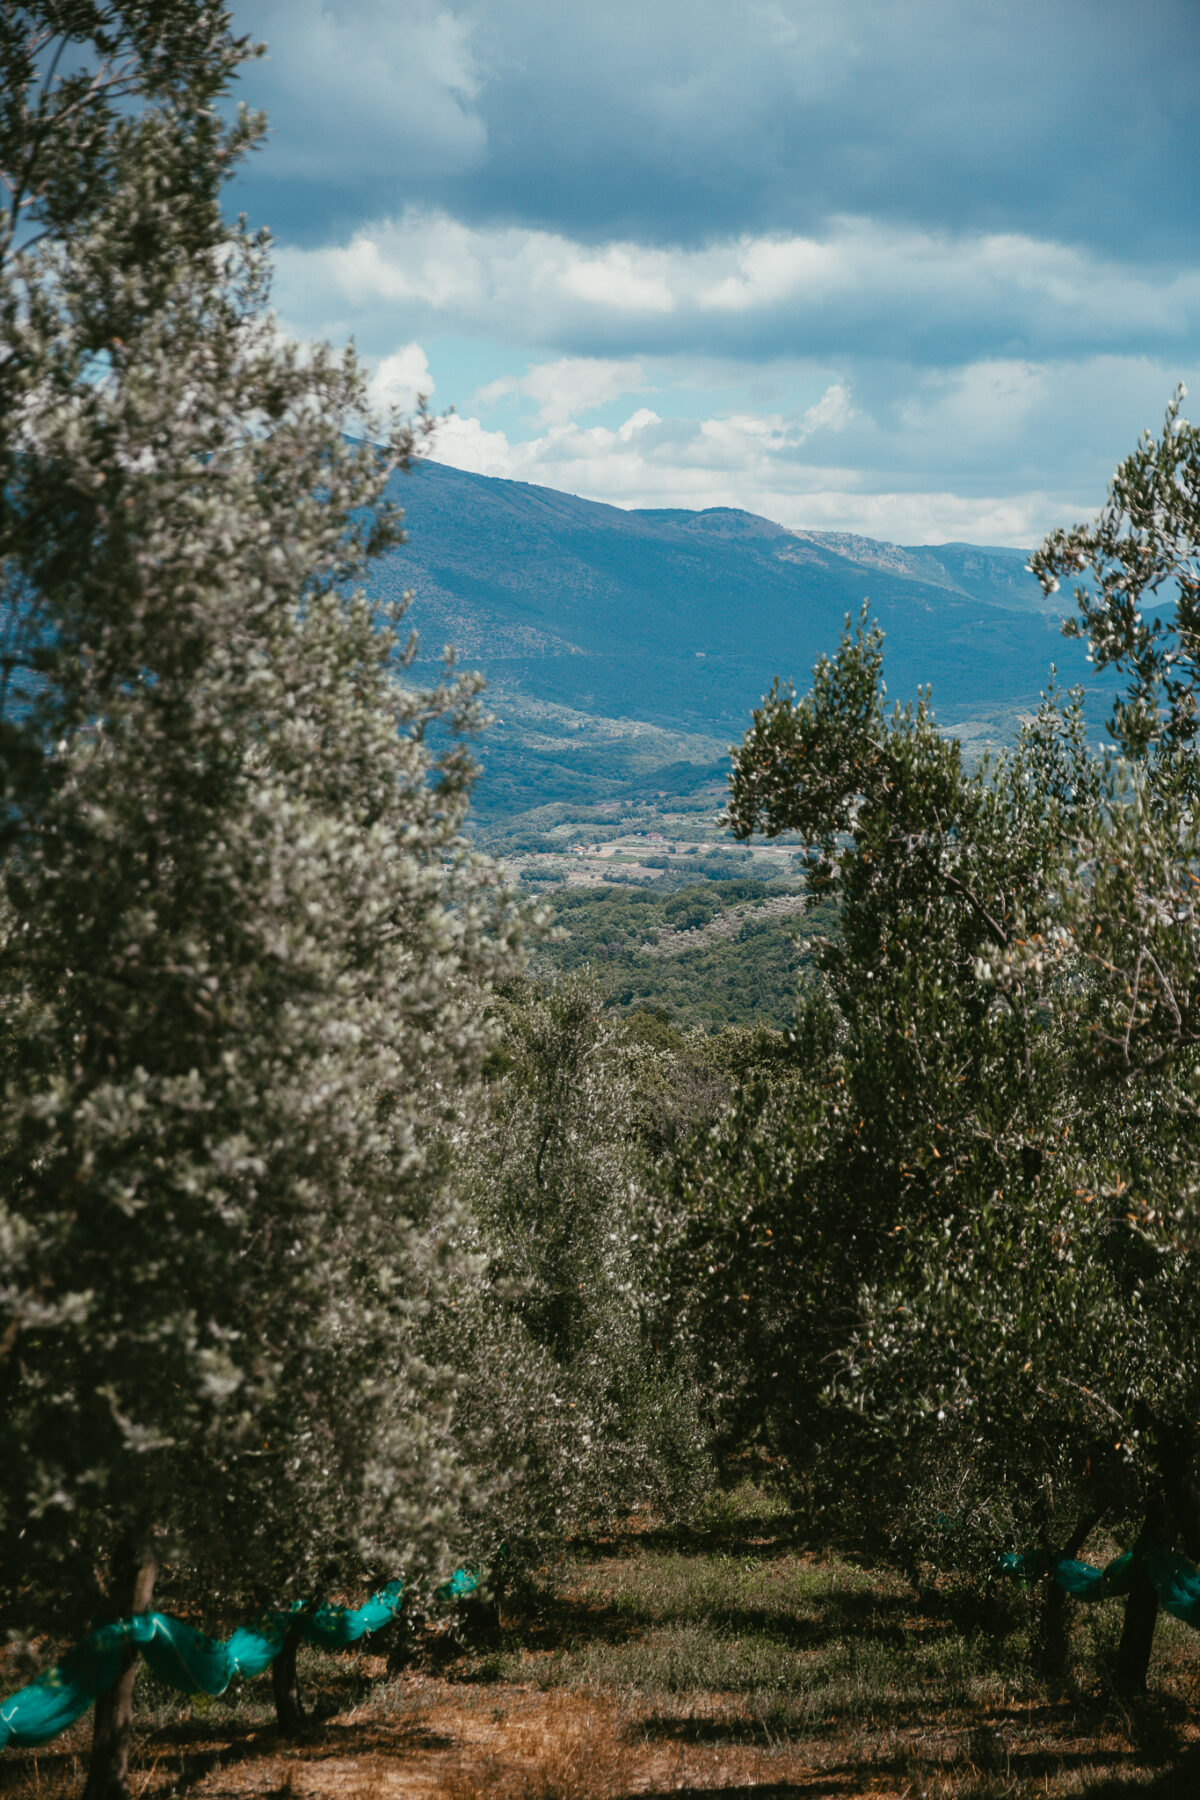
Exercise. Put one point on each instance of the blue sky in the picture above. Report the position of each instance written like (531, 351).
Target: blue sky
(917, 268)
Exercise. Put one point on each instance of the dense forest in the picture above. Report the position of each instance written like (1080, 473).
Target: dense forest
(370, 1226)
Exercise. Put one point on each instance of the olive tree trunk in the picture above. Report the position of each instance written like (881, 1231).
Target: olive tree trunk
(285, 1687)
(108, 1769)
(1137, 1636)
(1053, 1645)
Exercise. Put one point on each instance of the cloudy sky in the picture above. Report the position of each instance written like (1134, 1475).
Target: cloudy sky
(917, 268)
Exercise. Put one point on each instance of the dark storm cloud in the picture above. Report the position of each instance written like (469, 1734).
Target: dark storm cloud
(687, 120)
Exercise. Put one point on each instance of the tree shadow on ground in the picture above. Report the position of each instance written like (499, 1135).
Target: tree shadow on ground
(551, 1619)
(1115, 1774)
(198, 1756)
(538, 1620)
(762, 1538)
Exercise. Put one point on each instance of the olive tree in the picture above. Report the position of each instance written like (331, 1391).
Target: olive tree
(1136, 575)
(242, 942)
(565, 1389)
(1005, 1160)
(898, 1241)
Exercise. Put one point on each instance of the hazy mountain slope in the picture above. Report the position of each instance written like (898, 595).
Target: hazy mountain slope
(977, 571)
(681, 619)
(537, 752)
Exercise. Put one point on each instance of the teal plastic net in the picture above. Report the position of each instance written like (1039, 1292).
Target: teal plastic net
(194, 1663)
(1086, 1582)
(1175, 1580)
(187, 1659)
(1177, 1584)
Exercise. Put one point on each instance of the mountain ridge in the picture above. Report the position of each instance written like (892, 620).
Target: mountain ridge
(681, 619)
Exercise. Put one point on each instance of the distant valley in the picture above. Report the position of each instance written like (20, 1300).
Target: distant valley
(624, 649)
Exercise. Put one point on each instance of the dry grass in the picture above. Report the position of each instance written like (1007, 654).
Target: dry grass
(501, 1741)
(741, 1664)
(572, 1749)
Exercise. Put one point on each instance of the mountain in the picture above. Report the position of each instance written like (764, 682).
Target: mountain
(617, 642)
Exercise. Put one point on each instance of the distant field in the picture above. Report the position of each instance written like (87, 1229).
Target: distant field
(732, 1661)
(671, 914)
(707, 955)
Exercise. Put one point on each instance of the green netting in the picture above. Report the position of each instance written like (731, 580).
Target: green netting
(1022, 1568)
(39, 1712)
(187, 1659)
(458, 1585)
(1177, 1584)
(334, 1627)
(1086, 1582)
(1175, 1580)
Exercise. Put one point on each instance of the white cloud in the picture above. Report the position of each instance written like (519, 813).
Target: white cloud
(863, 288)
(400, 379)
(567, 387)
(991, 399)
(736, 462)
(1020, 519)
(682, 119)
(946, 435)
(464, 444)
(624, 278)
(745, 460)
(771, 270)
(637, 422)
(833, 409)
(728, 212)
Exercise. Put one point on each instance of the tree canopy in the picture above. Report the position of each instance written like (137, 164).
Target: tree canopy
(243, 944)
